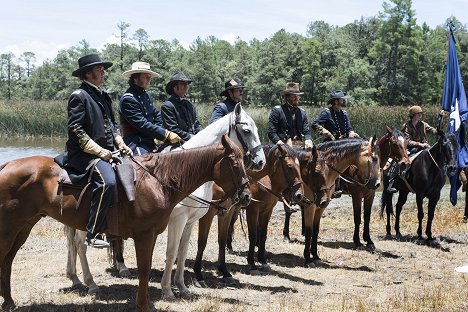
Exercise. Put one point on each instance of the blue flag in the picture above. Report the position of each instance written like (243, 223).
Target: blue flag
(454, 101)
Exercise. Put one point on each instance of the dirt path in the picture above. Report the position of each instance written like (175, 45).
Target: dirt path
(402, 276)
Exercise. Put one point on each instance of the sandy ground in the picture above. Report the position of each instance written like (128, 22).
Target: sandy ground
(401, 276)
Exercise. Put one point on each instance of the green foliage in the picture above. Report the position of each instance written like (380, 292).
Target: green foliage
(381, 60)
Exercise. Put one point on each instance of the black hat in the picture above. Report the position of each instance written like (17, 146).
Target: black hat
(177, 76)
(233, 83)
(87, 62)
(337, 94)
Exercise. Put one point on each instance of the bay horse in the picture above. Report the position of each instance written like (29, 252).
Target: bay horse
(393, 144)
(363, 155)
(244, 133)
(282, 166)
(425, 177)
(29, 190)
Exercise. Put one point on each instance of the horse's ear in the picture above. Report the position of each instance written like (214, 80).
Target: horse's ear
(238, 109)
(227, 142)
(389, 130)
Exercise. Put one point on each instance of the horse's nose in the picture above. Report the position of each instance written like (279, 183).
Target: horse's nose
(298, 197)
(323, 203)
(258, 165)
(245, 199)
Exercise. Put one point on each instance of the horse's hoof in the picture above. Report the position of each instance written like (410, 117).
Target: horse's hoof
(309, 265)
(399, 237)
(125, 273)
(168, 296)
(186, 295)
(432, 242)
(200, 283)
(265, 268)
(80, 289)
(93, 290)
(388, 237)
(8, 306)
(286, 239)
(228, 281)
(371, 247)
(230, 251)
(318, 263)
(420, 241)
(255, 272)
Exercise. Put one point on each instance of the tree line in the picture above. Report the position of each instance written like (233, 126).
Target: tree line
(386, 59)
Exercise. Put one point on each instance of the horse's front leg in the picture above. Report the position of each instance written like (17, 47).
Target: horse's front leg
(223, 226)
(316, 229)
(175, 229)
(309, 213)
(433, 200)
(252, 212)
(181, 257)
(71, 258)
(357, 202)
(264, 219)
(368, 201)
(204, 225)
(144, 245)
(419, 203)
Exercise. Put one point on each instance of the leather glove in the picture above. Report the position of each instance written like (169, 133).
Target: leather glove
(93, 148)
(353, 134)
(279, 142)
(172, 137)
(308, 144)
(123, 148)
(327, 134)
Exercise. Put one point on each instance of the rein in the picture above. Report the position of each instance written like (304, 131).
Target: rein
(193, 197)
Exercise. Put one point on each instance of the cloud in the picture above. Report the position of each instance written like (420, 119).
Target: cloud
(231, 37)
(112, 39)
(42, 50)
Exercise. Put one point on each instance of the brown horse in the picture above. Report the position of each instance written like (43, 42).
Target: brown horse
(259, 210)
(29, 191)
(392, 145)
(364, 155)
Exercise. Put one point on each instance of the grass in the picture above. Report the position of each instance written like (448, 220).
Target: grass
(49, 118)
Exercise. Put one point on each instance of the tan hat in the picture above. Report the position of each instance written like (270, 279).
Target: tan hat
(292, 88)
(140, 67)
(414, 110)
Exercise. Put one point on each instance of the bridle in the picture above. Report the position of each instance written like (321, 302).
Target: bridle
(248, 154)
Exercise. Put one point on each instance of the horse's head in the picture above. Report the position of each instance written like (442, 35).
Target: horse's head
(394, 145)
(230, 173)
(449, 149)
(287, 173)
(315, 173)
(367, 171)
(246, 136)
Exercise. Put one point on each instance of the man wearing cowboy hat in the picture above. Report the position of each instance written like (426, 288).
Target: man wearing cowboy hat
(287, 123)
(179, 114)
(233, 91)
(415, 131)
(92, 137)
(333, 124)
(140, 121)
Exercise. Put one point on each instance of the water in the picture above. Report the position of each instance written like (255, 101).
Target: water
(13, 148)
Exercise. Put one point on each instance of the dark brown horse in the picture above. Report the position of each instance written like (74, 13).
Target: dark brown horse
(29, 191)
(392, 145)
(283, 168)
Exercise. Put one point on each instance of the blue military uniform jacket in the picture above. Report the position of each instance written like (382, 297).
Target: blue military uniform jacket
(281, 125)
(334, 120)
(179, 116)
(90, 115)
(222, 109)
(140, 121)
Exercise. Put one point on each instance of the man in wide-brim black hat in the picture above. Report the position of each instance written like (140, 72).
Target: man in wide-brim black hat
(178, 112)
(92, 136)
(233, 91)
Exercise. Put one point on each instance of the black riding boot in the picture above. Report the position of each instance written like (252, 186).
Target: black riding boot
(392, 174)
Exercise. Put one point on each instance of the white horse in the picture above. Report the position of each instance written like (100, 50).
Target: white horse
(243, 131)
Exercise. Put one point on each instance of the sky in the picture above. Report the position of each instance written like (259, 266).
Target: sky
(47, 26)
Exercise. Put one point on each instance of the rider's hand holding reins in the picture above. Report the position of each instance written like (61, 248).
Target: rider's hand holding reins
(123, 148)
(326, 134)
(172, 137)
(308, 144)
(353, 134)
(93, 148)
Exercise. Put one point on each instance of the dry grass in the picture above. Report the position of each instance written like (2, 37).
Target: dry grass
(402, 276)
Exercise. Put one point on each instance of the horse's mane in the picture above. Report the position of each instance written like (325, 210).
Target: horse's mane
(293, 152)
(342, 148)
(177, 169)
(397, 133)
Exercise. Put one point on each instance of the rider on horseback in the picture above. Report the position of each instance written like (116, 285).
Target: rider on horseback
(415, 131)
